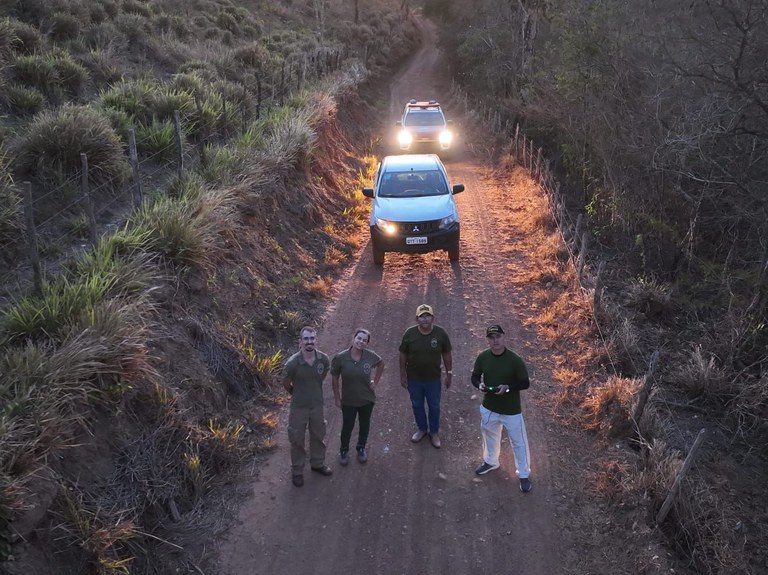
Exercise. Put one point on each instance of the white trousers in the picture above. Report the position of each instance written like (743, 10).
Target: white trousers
(490, 427)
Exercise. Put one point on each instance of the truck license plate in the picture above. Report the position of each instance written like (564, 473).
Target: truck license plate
(415, 241)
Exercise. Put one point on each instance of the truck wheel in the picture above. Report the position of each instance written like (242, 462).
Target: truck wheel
(378, 256)
(453, 254)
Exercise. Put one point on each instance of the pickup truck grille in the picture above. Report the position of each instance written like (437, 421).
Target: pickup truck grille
(417, 228)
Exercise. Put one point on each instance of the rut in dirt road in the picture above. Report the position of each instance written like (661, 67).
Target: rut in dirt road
(413, 509)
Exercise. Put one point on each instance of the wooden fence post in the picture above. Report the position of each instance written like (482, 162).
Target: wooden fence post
(85, 193)
(258, 96)
(598, 288)
(582, 259)
(645, 390)
(667, 505)
(530, 156)
(517, 150)
(134, 156)
(177, 139)
(538, 165)
(34, 256)
(202, 137)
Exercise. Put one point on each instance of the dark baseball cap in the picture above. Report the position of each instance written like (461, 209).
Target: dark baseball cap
(493, 330)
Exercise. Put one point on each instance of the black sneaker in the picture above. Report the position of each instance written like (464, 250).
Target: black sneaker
(297, 480)
(525, 485)
(323, 470)
(343, 457)
(362, 456)
(485, 468)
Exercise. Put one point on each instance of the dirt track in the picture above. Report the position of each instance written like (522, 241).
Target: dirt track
(413, 509)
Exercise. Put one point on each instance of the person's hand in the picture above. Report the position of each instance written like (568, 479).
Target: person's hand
(404, 382)
(502, 390)
(481, 387)
(448, 380)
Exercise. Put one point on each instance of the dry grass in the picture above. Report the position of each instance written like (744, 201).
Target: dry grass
(319, 287)
(607, 408)
(102, 534)
(702, 374)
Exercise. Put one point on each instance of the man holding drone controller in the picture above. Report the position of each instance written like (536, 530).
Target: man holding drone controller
(501, 374)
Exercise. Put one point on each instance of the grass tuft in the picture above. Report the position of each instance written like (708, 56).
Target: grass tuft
(608, 407)
(50, 149)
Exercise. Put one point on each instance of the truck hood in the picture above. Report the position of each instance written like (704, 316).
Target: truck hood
(421, 209)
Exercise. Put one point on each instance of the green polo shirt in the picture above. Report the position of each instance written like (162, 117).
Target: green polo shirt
(505, 369)
(424, 353)
(307, 379)
(356, 389)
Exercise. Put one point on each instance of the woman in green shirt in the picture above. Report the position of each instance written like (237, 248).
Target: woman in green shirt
(359, 370)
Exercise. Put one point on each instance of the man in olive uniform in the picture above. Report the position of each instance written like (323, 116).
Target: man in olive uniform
(423, 348)
(303, 376)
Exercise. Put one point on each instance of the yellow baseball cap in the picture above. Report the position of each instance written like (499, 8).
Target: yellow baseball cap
(424, 308)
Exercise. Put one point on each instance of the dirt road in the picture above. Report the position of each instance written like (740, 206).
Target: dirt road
(414, 509)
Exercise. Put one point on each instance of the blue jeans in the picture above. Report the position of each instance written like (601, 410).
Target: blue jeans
(429, 391)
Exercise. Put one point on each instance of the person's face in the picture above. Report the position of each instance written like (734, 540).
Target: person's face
(425, 320)
(496, 342)
(308, 340)
(360, 341)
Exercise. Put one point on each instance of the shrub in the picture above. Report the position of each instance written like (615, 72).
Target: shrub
(253, 55)
(702, 374)
(60, 305)
(134, 7)
(28, 39)
(71, 76)
(64, 26)
(8, 39)
(38, 71)
(22, 100)
(189, 82)
(51, 73)
(51, 148)
(188, 186)
(101, 67)
(105, 36)
(221, 165)
(155, 141)
(135, 28)
(10, 205)
(146, 100)
(186, 232)
(202, 68)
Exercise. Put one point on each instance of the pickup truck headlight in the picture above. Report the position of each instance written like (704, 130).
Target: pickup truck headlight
(446, 137)
(448, 222)
(389, 228)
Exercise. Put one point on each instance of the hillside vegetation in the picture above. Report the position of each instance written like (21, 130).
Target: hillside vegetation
(133, 379)
(654, 115)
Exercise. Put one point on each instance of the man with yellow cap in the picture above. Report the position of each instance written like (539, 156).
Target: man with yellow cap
(422, 350)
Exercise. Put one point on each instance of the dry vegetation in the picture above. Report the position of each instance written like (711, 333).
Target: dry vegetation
(135, 380)
(653, 118)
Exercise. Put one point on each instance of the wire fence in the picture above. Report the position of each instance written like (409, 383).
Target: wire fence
(81, 207)
(589, 268)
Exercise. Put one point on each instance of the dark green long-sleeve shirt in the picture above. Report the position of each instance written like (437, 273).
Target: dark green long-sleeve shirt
(505, 369)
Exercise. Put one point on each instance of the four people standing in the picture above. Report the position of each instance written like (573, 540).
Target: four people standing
(359, 370)
(498, 372)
